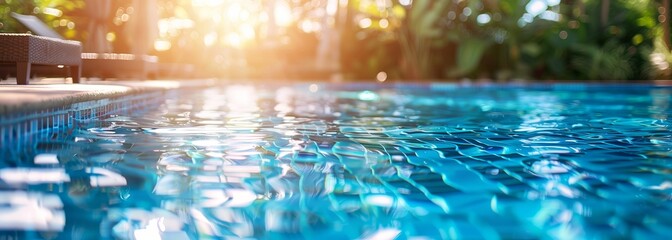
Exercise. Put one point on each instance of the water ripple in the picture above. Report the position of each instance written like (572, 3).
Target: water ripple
(354, 162)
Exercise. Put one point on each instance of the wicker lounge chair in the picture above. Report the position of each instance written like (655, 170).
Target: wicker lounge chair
(103, 65)
(25, 50)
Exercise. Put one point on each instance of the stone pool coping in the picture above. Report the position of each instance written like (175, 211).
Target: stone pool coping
(26, 98)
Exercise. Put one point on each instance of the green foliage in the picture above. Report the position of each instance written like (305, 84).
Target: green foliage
(7, 23)
(628, 32)
(69, 13)
(444, 39)
(660, 57)
(429, 39)
(610, 62)
(469, 54)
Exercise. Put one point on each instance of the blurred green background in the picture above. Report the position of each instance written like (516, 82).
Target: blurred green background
(388, 40)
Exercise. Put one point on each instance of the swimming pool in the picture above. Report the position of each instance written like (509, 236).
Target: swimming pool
(426, 161)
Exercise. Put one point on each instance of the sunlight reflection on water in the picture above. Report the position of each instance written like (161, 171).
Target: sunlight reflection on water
(311, 161)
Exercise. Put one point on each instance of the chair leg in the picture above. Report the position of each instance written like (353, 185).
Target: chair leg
(22, 73)
(76, 73)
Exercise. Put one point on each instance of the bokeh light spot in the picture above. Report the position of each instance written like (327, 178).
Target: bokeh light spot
(313, 88)
(381, 76)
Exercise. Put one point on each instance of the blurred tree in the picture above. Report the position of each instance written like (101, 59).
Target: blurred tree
(613, 49)
(421, 33)
(64, 16)
(406, 39)
(369, 42)
(507, 39)
(664, 16)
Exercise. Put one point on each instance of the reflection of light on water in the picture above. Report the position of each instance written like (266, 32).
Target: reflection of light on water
(143, 224)
(153, 230)
(313, 88)
(31, 211)
(368, 96)
(33, 175)
(99, 177)
(188, 130)
(203, 224)
(543, 150)
(385, 233)
(662, 186)
(206, 143)
(283, 97)
(241, 98)
(46, 158)
(169, 184)
(557, 219)
(554, 188)
(105, 178)
(243, 111)
(549, 167)
(661, 103)
(379, 200)
(231, 197)
(241, 169)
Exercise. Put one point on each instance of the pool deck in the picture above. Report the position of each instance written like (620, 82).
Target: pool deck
(47, 92)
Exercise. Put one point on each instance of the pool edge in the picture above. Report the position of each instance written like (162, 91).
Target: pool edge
(16, 99)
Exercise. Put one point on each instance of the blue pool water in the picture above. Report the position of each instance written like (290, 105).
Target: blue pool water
(319, 161)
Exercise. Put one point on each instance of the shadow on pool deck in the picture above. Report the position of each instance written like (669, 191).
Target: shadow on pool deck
(48, 92)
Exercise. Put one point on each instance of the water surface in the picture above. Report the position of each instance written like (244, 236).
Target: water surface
(353, 161)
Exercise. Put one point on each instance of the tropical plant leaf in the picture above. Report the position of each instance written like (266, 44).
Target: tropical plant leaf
(419, 8)
(469, 54)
